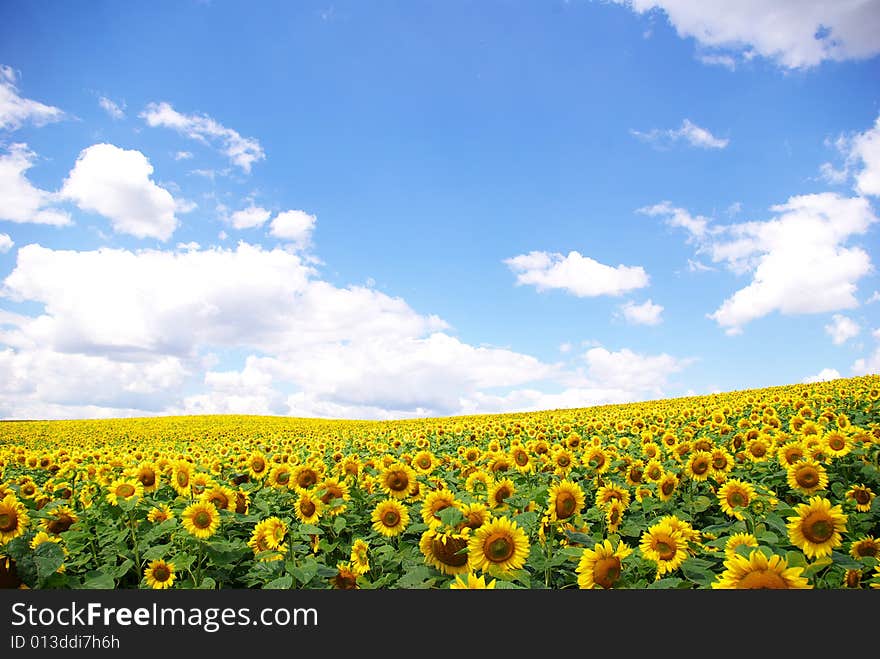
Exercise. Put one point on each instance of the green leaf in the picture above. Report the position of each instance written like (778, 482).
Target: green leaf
(696, 571)
(281, 583)
(845, 561)
(818, 565)
(631, 530)
(667, 582)
(776, 522)
(311, 529)
(122, 569)
(701, 503)
(207, 584)
(156, 551)
(98, 581)
(768, 538)
(450, 516)
(416, 577)
(48, 557)
(527, 520)
(580, 538)
(339, 524)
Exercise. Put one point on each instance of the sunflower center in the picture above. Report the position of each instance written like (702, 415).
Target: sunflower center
(758, 449)
(60, 525)
(498, 547)
(182, 478)
(283, 478)
(762, 579)
(836, 443)
(161, 573)
(202, 519)
(424, 463)
(502, 493)
(719, 462)
(398, 481)
(332, 492)
(867, 549)
(258, 465)
(565, 505)
(8, 521)
(597, 461)
(635, 475)
(125, 490)
(563, 461)
(148, 478)
(817, 528)
(219, 500)
(606, 571)
(390, 518)
(701, 466)
(521, 458)
(667, 487)
(654, 473)
(862, 497)
(614, 517)
(306, 478)
(307, 508)
(665, 550)
(447, 552)
(737, 499)
(807, 477)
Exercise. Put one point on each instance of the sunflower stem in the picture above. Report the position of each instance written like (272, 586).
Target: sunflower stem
(134, 540)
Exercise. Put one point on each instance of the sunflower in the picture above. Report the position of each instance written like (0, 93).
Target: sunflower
(817, 527)
(654, 471)
(739, 540)
(280, 476)
(181, 475)
(308, 509)
(837, 443)
(664, 546)
(397, 480)
(274, 530)
(59, 520)
(614, 515)
(790, 453)
(865, 547)
(722, 463)
(471, 582)
(734, 496)
(159, 574)
(862, 496)
(699, 465)
(500, 491)
(596, 459)
(257, 465)
(390, 518)
(149, 476)
(433, 503)
(475, 515)
(478, 480)
(359, 560)
(222, 497)
(601, 565)
(447, 552)
(521, 459)
(565, 499)
(852, 579)
(346, 577)
(306, 476)
(424, 462)
(28, 489)
(201, 519)
(498, 546)
(261, 543)
(201, 482)
(807, 476)
(759, 572)
(608, 493)
(666, 486)
(126, 489)
(160, 513)
(635, 473)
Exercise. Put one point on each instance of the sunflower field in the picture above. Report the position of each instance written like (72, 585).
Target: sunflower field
(768, 488)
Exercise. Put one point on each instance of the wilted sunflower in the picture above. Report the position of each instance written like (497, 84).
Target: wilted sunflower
(602, 565)
(126, 489)
(862, 496)
(159, 574)
(433, 503)
(817, 527)
(735, 496)
(665, 546)
(390, 518)
(201, 519)
(397, 480)
(807, 476)
(447, 552)
(471, 582)
(759, 572)
(498, 546)
(565, 499)
(308, 509)
(739, 540)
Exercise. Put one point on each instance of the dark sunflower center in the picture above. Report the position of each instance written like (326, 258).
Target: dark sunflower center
(758, 449)
(597, 461)
(563, 461)
(398, 481)
(807, 477)
(28, 490)
(258, 465)
(867, 549)
(306, 478)
(390, 518)
(836, 443)
(654, 473)
(283, 478)
(665, 550)
(817, 528)
(498, 547)
(8, 521)
(307, 508)
(60, 525)
(502, 493)
(719, 462)
(737, 499)
(202, 519)
(148, 478)
(606, 571)
(701, 466)
(635, 475)
(332, 492)
(447, 552)
(125, 490)
(161, 573)
(667, 487)
(614, 517)
(565, 505)
(424, 463)
(762, 579)
(219, 500)
(182, 478)
(521, 458)
(862, 497)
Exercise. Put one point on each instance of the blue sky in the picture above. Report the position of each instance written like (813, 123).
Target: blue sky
(399, 209)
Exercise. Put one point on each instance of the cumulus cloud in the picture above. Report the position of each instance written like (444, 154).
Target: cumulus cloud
(295, 226)
(112, 108)
(646, 313)
(697, 226)
(6, 243)
(250, 217)
(689, 133)
(242, 151)
(116, 183)
(822, 376)
(579, 275)
(861, 154)
(795, 34)
(841, 329)
(16, 111)
(21, 201)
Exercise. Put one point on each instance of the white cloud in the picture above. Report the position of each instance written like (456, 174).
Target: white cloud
(793, 33)
(726, 61)
(698, 266)
(678, 217)
(15, 111)
(799, 260)
(116, 183)
(689, 132)
(112, 108)
(6, 243)
(242, 151)
(822, 376)
(841, 329)
(183, 155)
(861, 153)
(875, 297)
(295, 226)
(630, 371)
(646, 313)
(250, 217)
(565, 347)
(869, 365)
(19, 200)
(579, 275)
